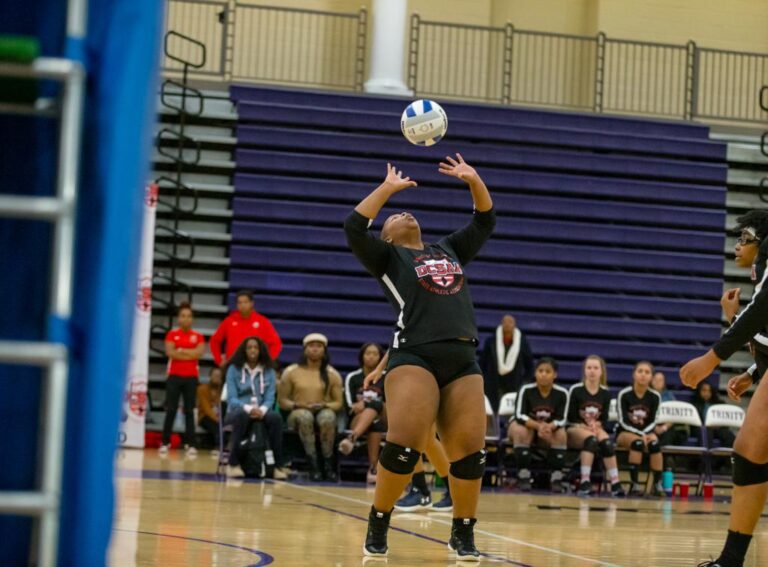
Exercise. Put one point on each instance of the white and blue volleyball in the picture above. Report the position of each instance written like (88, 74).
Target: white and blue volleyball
(424, 123)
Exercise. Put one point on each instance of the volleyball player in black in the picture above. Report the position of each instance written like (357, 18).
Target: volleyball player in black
(750, 457)
(589, 402)
(540, 418)
(637, 407)
(432, 373)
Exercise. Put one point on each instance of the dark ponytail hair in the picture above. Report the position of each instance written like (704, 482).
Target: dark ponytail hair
(185, 304)
(361, 354)
(324, 363)
(548, 360)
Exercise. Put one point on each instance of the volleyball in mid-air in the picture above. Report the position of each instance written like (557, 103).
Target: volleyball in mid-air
(424, 122)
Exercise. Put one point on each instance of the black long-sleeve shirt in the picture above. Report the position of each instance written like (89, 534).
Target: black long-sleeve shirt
(531, 404)
(585, 407)
(638, 415)
(372, 397)
(428, 288)
(751, 324)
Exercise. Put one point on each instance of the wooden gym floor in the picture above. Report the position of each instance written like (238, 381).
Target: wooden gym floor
(175, 512)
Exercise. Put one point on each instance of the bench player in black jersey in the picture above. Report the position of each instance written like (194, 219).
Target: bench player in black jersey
(588, 404)
(750, 457)
(432, 374)
(540, 421)
(637, 407)
(365, 404)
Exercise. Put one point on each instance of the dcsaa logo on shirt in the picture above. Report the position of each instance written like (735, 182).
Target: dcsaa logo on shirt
(590, 413)
(638, 415)
(543, 413)
(440, 276)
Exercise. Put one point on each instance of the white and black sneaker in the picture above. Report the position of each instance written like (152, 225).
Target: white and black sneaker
(617, 491)
(585, 488)
(413, 501)
(376, 538)
(462, 540)
(556, 482)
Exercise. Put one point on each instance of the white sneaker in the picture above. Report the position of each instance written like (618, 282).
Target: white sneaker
(235, 472)
(346, 446)
(163, 450)
(279, 474)
(191, 451)
(370, 477)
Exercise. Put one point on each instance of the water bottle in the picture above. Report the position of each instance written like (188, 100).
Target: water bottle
(667, 481)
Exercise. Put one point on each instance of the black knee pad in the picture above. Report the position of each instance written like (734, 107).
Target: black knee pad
(556, 459)
(470, 467)
(636, 445)
(654, 447)
(607, 449)
(523, 457)
(747, 473)
(398, 459)
(591, 445)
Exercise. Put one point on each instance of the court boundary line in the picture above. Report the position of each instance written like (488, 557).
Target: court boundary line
(264, 558)
(444, 522)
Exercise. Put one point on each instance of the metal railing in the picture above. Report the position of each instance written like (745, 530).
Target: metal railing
(270, 44)
(507, 65)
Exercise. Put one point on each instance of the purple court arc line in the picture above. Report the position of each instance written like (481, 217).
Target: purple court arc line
(264, 558)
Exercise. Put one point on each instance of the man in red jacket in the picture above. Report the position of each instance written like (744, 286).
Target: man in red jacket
(241, 324)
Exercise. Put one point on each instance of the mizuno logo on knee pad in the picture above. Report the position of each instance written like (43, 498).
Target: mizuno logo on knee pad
(398, 459)
(470, 467)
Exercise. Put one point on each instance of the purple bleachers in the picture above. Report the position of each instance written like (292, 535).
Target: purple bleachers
(609, 238)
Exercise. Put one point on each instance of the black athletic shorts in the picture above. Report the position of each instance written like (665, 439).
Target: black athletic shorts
(446, 360)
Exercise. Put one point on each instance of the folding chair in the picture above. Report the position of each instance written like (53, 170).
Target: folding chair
(493, 462)
(721, 415)
(507, 407)
(223, 452)
(683, 413)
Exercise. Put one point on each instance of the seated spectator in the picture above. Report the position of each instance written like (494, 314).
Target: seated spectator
(311, 392)
(366, 407)
(637, 407)
(668, 434)
(208, 403)
(659, 383)
(241, 323)
(184, 348)
(506, 361)
(705, 397)
(540, 421)
(251, 386)
(588, 405)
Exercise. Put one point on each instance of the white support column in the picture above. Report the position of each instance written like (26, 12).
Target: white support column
(388, 48)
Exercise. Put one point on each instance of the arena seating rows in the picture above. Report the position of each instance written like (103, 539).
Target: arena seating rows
(609, 239)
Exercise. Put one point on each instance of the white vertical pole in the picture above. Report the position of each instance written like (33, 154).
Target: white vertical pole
(388, 49)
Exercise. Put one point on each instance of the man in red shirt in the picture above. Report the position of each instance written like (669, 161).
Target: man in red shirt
(241, 324)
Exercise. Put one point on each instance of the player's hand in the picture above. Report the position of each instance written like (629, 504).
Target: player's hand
(699, 368)
(460, 169)
(730, 302)
(396, 181)
(738, 385)
(356, 408)
(372, 378)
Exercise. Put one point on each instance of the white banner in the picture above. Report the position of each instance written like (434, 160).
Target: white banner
(135, 400)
